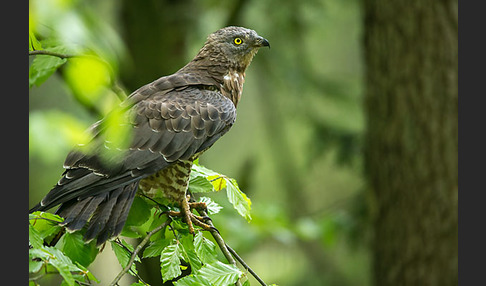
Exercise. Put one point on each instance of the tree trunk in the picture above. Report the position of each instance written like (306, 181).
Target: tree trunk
(411, 55)
(155, 32)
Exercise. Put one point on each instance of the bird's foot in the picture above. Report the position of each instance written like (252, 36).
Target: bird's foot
(189, 217)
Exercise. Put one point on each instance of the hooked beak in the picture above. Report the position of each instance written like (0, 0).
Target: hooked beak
(262, 42)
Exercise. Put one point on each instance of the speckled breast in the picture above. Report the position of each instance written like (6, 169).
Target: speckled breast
(170, 182)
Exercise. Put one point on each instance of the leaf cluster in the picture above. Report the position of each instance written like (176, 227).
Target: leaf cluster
(185, 259)
(205, 180)
(70, 259)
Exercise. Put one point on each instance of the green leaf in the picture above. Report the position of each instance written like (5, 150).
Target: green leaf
(198, 170)
(247, 283)
(192, 280)
(213, 208)
(123, 254)
(75, 248)
(34, 44)
(37, 253)
(63, 264)
(43, 66)
(88, 76)
(155, 221)
(62, 258)
(138, 231)
(139, 212)
(45, 215)
(34, 265)
(45, 224)
(180, 226)
(220, 274)
(238, 199)
(170, 261)
(189, 253)
(218, 182)
(205, 249)
(35, 238)
(64, 271)
(199, 184)
(77, 278)
(41, 253)
(155, 248)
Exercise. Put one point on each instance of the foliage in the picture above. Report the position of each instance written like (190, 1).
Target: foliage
(220, 182)
(177, 248)
(70, 260)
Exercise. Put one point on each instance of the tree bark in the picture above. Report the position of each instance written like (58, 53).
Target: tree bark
(411, 55)
(155, 32)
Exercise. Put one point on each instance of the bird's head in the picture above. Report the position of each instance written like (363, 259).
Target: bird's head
(236, 45)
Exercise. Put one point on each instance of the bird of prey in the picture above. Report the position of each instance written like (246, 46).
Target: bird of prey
(171, 121)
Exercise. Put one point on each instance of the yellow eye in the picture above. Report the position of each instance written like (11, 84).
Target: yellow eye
(238, 41)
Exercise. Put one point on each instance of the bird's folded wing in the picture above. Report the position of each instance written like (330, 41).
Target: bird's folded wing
(165, 125)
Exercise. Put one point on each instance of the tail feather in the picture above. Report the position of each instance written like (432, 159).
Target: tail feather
(110, 216)
(104, 214)
(119, 214)
(70, 211)
(101, 215)
(124, 214)
(77, 214)
(88, 211)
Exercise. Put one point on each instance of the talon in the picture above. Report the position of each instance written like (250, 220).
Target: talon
(199, 223)
(190, 218)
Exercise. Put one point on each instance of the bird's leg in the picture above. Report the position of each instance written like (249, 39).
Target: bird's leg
(186, 211)
(190, 218)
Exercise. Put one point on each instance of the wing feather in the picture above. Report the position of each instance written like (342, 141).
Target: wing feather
(167, 125)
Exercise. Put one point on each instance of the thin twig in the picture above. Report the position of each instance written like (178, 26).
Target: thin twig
(115, 86)
(243, 263)
(222, 245)
(82, 283)
(136, 251)
(50, 53)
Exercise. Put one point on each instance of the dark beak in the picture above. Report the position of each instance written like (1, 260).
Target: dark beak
(262, 42)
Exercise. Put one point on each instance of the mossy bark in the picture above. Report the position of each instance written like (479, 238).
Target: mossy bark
(411, 100)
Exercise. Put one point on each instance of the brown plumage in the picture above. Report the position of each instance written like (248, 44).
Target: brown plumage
(170, 122)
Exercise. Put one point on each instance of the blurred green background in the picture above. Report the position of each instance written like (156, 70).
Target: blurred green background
(295, 149)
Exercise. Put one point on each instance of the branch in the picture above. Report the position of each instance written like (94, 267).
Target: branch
(136, 251)
(219, 240)
(228, 251)
(115, 86)
(240, 260)
(49, 53)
